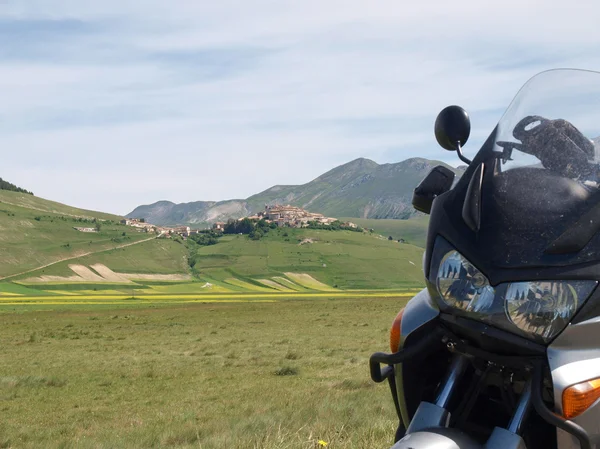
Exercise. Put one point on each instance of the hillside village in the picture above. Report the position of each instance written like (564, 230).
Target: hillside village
(282, 216)
(291, 216)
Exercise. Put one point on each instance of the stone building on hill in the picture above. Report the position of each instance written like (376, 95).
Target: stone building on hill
(294, 216)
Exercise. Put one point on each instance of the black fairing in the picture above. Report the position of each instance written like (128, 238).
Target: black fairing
(523, 211)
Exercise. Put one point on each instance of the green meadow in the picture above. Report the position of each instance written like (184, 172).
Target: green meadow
(36, 232)
(413, 231)
(340, 259)
(31, 202)
(120, 339)
(39, 245)
(288, 373)
(155, 256)
(284, 261)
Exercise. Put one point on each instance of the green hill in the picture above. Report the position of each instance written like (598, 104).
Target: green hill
(41, 249)
(28, 201)
(412, 231)
(339, 259)
(285, 260)
(361, 188)
(36, 232)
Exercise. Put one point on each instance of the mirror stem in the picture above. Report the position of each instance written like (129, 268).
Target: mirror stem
(462, 156)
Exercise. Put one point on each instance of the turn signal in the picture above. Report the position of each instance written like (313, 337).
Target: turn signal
(395, 332)
(578, 398)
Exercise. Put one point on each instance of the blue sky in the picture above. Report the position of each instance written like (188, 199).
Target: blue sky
(120, 103)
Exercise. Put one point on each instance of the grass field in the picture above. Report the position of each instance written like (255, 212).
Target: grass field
(155, 256)
(38, 243)
(262, 344)
(412, 231)
(333, 261)
(340, 259)
(51, 297)
(30, 238)
(281, 374)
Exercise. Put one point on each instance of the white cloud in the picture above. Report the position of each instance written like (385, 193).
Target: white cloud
(108, 105)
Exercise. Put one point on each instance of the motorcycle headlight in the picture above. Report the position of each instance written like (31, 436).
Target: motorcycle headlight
(463, 286)
(539, 309)
(544, 308)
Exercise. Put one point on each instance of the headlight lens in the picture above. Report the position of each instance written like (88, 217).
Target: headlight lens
(538, 309)
(545, 308)
(463, 286)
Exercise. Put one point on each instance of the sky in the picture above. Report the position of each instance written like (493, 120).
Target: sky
(110, 105)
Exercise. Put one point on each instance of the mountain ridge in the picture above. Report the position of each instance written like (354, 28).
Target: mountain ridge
(360, 188)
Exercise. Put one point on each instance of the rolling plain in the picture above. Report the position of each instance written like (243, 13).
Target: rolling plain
(118, 338)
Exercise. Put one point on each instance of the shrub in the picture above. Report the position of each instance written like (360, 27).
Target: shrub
(257, 234)
(205, 239)
(292, 356)
(244, 226)
(286, 371)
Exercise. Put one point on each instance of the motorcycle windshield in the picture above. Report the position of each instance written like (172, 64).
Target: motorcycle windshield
(541, 205)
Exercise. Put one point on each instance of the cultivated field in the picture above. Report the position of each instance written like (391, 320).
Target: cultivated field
(117, 339)
(339, 259)
(332, 261)
(265, 372)
(30, 238)
(413, 231)
(158, 256)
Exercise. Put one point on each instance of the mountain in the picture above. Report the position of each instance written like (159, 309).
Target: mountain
(361, 188)
(166, 213)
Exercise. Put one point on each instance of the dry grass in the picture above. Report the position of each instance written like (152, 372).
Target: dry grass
(307, 281)
(275, 285)
(255, 375)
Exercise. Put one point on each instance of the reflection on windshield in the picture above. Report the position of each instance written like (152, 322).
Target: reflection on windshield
(554, 123)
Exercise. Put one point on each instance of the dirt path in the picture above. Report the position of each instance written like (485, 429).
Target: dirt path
(77, 257)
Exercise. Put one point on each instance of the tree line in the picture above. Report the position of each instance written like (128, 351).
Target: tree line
(5, 185)
(255, 230)
(335, 226)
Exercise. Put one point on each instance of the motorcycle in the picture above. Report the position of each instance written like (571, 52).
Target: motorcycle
(501, 349)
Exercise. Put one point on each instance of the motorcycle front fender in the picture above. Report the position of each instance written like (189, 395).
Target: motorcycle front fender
(448, 438)
(437, 438)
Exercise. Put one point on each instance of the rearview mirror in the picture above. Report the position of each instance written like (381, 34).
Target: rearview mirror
(438, 181)
(452, 129)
